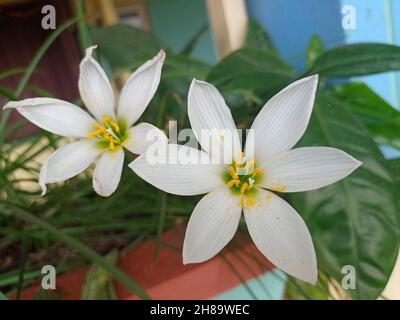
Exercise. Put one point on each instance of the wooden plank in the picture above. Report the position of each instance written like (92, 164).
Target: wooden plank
(228, 21)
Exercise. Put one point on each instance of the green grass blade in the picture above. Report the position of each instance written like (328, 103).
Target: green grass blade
(83, 250)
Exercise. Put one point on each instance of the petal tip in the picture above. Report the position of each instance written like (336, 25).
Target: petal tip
(161, 55)
(10, 105)
(89, 51)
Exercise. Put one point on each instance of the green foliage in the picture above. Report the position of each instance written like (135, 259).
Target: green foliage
(357, 60)
(125, 46)
(354, 221)
(257, 38)
(314, 50)
(381, 119)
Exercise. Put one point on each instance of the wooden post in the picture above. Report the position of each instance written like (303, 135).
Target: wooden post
(228, 20)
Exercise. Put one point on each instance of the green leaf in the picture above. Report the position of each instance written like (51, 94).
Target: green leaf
(98, 284)
(357, 60)
(381, 119)
(354, 221)
(124, 45)
(395, 166)
(256, 37)
(314, 50)
(250, 68)
(179, 66)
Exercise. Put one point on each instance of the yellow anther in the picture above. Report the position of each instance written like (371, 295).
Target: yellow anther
(100, 128)
(233, 182)
(245, 187)
(111, 145)
(93, 134)
(108, 132)
(233, 172)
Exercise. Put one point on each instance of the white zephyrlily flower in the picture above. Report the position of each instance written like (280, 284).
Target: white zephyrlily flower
(104, 135)
(276, 228)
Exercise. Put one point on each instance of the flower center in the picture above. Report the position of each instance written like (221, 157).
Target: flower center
(109, 134)
(241, 178)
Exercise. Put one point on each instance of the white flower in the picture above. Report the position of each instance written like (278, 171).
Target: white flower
(275, 227)
(103, 136)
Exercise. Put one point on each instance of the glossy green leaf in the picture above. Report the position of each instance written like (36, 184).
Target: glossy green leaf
(250, 69)
(357, 60)
(354, 221)
(381, 119)
(122, 45)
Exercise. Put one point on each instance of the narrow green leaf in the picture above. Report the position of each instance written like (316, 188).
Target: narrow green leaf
(84, 38)
(98, 283)
(82, 249)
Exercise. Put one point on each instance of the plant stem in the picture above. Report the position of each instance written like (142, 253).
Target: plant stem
(84, 39)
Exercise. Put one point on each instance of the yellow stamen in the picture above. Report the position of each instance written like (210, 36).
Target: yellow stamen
(92, 134)
(232, 182)
(245, 187)
(109, 131)
(233, 173)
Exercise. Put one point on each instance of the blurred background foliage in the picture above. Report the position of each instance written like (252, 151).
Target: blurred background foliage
(353, 222)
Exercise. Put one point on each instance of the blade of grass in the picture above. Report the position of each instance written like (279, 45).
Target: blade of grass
(31, 68)
(160, 225)
(83, 33)
(82, 249)
(11, 72)
(7, 93)
(22, 265)
(239, 276)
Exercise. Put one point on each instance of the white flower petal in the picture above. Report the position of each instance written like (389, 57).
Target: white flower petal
(108, 172)
(143, 135)
(212, 225)
(282, 236)
(209, 114)
(178, 170)
(54, 115)
(283, 120)
(310, 168)
(66, 162)
(139, 89)
(95, 89)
